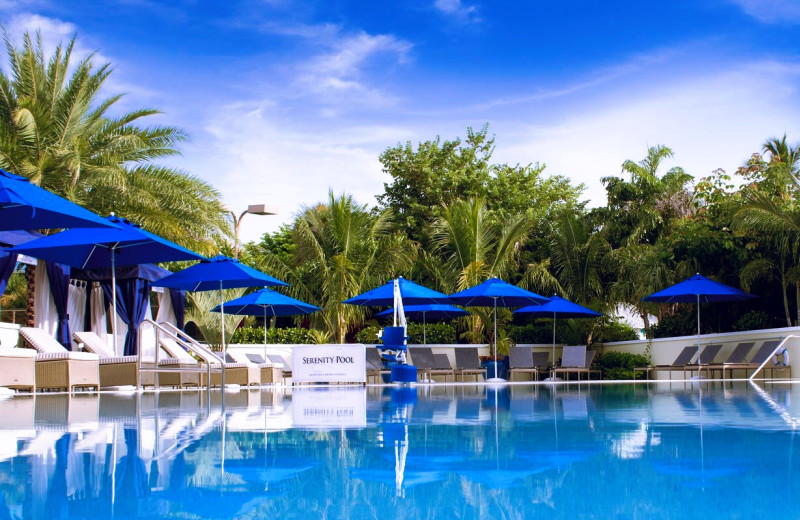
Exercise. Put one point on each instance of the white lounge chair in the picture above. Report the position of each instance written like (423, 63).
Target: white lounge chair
(235, 373)
(59, 368)
(270, 372)
(18, 368)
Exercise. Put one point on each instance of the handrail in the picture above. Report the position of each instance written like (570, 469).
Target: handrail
(780, 346)
(195, 346)
(192, 346)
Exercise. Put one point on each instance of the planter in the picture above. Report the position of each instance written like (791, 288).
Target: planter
(502, 369)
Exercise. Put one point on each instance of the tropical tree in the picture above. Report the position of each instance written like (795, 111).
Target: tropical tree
(57, 129)
(340, 249)
(198, 311)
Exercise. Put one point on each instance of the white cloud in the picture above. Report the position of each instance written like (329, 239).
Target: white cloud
(458, 11)
(771, 11)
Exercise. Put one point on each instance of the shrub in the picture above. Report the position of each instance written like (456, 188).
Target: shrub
(754, 320)
(619, 365)
(441, 333)
(293, 335)
(615, 330)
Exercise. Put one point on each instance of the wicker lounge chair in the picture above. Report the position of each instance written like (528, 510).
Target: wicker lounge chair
(270, 374)
(114, 370)
(705, 359)
(682, 360)
(737, 358)
(468, 363)
(375, 366)
(18, 368)
(59, 368)
(576, 360)
(423, 359)
(286, 369)
(242, 374)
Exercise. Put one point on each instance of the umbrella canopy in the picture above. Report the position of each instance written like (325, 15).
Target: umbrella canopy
(217, 273)
(496, 292)
(558, 307)
(429, 312)
(268, 303)
(122, 243)
(26, 206)
(411, 293)
(696, 289)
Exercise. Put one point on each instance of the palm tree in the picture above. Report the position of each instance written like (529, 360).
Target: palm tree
(210, 323)
(340, 250)
(57, 130)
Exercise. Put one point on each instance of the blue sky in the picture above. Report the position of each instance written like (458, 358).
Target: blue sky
(285, 99)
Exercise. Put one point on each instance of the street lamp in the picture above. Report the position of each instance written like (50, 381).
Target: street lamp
(255, 209)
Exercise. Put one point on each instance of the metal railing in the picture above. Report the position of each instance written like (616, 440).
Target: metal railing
(774, 352)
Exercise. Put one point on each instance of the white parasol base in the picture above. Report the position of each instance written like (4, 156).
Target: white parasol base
(496, 380)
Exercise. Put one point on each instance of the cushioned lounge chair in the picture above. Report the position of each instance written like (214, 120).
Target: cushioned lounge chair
(18, 368)
(114, 370)
(242, 374)
(422, 358)
(682, 360)
(270, 374)
(576, 360)
(278, 360)
(58, 368)
(468, 363)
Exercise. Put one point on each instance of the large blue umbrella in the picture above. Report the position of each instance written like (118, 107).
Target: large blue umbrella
(558, 307)
(495, 292)
(122, 243)
(695, 290)
(428, 312)
(267, 303)
(26, 206)
(412, 294)
(220, 272)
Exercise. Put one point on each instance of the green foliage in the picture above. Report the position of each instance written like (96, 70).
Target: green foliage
(209, 324)
(682, 323)
(615, 330)
(295, 336)
(754, 320)
(619, 365)
(436, 333)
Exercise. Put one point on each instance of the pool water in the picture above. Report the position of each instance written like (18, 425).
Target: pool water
(518, 451)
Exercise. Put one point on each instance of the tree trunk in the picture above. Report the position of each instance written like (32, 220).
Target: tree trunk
(797, 299)
(786, 301)
(30, 278)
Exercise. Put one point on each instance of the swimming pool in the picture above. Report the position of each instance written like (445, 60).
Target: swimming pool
(518, 451)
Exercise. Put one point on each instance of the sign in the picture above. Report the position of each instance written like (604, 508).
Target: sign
(329, 407)
(329, 363)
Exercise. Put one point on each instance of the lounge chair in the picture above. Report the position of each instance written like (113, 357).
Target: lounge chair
(18, 368)
(521, 359)
(423, 359)
(468, 363)
(270, 374)
(576, 360)
(737, 357)
(680, 362)
(761, 355)
(235, 373)
(375, 366)
(286, 369)
(59, 368)
(114, 370)
(705, 359)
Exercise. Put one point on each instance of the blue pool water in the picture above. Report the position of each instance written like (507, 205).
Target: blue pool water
(466, 452)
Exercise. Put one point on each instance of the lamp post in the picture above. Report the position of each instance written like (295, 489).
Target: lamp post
(255, 209)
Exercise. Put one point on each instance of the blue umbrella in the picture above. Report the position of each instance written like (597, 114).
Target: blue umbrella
(555, 307)
(494, 292)
(698, 289)
(266, 302)
(122, 243)
(219, 273)
(428, 312)
(412, 294)
(26, 206)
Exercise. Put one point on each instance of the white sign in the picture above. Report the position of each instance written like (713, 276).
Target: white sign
(329, 407)
(329, 363)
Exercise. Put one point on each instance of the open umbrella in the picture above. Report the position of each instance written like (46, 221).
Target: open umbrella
(122, 243)
(495, 292)
(218, 273)
(698, 289)
(26, 206)
(428, 312)
(267, 303)
(555, 307)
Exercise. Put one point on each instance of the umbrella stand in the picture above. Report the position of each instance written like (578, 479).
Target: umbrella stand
(265, 333)
(424, 331)
(224, 350)
(114, 300)
(495, 337)
(698, 338)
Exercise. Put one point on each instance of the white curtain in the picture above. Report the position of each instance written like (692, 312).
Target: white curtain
(165, 310)
(76, 305)
(44, 310)
(98, 309)
(122, 331)
(147, 336)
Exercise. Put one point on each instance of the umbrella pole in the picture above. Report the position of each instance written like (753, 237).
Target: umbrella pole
(114, 301)
(495, 337)
(698, 336)
(424, 331)
(554, 345)
(224, 350)
(265, 334)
